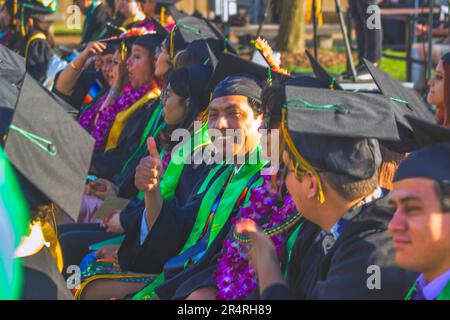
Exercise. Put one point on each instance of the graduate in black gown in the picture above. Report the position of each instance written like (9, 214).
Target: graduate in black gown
(421, 201)
(82, 82)
(201, 51)
(184, 94)
(96, 17)
(36, 44)
(343, 249)
(234, 78)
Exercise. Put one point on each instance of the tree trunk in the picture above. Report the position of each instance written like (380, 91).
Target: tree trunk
(291, 35)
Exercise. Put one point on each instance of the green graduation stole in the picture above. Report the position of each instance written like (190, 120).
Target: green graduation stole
(228, 201)
(171, 177)
(290, 247)
(14, 217)
(443, 295)
(152, 129)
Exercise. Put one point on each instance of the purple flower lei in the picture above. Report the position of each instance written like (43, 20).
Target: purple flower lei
(234, 277)
(165, 161)
(99, 130)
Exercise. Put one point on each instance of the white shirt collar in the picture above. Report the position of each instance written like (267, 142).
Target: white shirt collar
(431, 290)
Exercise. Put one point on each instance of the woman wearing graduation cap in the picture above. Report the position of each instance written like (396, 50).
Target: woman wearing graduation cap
(439, 94)
(37, 40)
(134, 85)
(81, 84)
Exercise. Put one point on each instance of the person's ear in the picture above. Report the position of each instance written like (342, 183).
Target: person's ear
(312, 185)
(186, 106)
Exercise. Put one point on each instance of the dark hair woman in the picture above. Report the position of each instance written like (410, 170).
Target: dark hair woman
(439, 94)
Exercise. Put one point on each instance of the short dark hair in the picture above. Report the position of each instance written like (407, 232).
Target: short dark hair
(272, 102)
(442, 189)
(347, 187)
(185, 58)
(351, 188)
(256, 106)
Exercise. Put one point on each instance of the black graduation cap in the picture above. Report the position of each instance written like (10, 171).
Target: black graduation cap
(12, 70)
(12, 73)
(394, 90)
(322, 74)
(159, 28)
(113, 30)
(176, 14)
(428, 133)
(199, 76)
(241, 75)
(432, 160)
(336, 131)
(307, 82)
(407, 101)
(186, 30)
(150, 41)
(207, 49)
(49, 150)
(11, 61)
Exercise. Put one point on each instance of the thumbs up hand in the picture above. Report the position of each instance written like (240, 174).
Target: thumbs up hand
(148, 172)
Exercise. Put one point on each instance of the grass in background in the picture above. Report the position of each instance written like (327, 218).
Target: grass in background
(395, 68)
(61, 29)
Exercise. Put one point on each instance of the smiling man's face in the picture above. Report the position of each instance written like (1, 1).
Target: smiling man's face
(420, 230)
(235, 112)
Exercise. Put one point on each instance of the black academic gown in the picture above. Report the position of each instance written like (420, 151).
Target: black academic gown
(171, 229)
(95, 24)
(343, 272)
(38, 57)
(110, 163)
(200, 274)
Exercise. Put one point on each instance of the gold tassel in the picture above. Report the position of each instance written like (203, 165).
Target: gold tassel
(301, 163)
(123, 50)
(42, 234)
(163, 16)
(171, 43)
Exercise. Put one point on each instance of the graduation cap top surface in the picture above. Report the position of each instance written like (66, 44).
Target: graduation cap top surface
(150, 41)
(207, 49)
(322, 74)
(432, 160)
(186, 30)
(49, 149)
(12, 73)
(428, 133)
(405, 102)
(232, 66)
(337, 131)
(393, 89)
(11, 61)
(12, 70)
